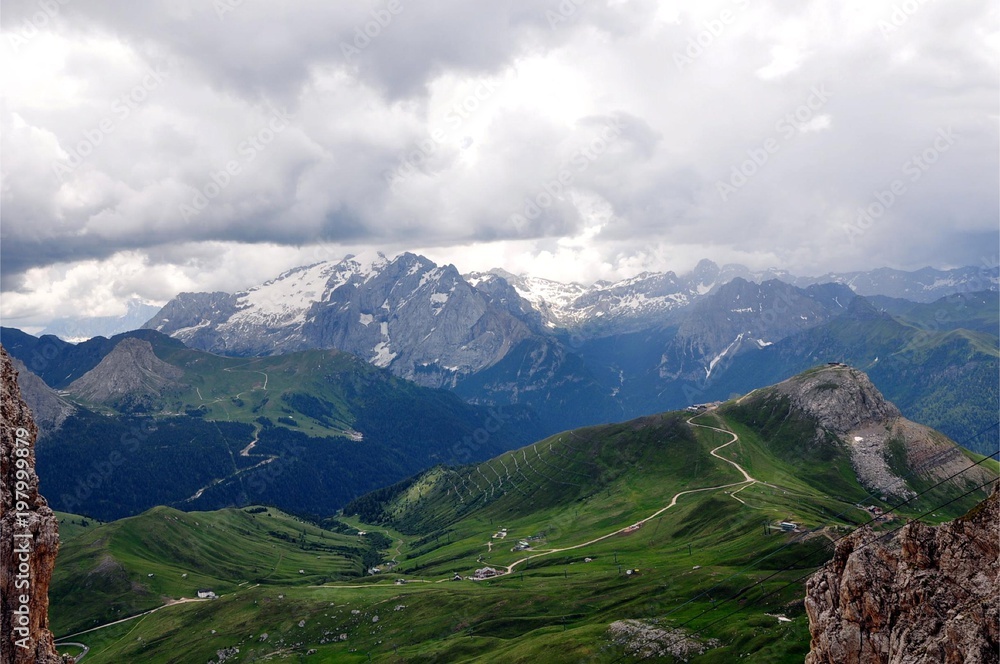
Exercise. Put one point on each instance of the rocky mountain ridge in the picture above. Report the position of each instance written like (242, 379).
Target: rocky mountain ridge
(50, 409)
(430, 324)
(645, 298)
(345, 303)
(841, 398)
(423, 322)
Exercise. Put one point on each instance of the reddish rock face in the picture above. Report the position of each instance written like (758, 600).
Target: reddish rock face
(29, 535)
(930, 594)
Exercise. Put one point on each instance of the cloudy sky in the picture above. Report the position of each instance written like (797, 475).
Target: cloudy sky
(176, 145)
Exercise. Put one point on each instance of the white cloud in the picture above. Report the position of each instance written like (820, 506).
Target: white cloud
(457, 116)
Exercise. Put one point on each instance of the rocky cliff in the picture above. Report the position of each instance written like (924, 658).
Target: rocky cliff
(930, 594)
(29, 535)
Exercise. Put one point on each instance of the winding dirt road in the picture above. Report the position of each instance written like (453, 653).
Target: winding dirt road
(748, 481)
(182, 600)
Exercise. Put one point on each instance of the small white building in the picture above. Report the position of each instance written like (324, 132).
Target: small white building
(207, 594)
(485, 573)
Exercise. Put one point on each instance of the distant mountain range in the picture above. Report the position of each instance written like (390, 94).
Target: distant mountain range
(635, 302)
(81, 329)
(580, 355)
(583, 355)
(345, 303)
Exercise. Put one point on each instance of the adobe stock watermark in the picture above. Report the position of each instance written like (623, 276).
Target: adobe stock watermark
(412, 159)
(563, 12)
(223, 7)
(901, 13)
(464, 450)
(121, 109)
(23, 537)
(246, 152)
(713, 28)
(100, 472)
(788, 126)
(577, 164)
(913, 169)
(371, 30)
(33, 25)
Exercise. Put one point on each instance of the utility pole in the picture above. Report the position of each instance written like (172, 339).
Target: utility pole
(689, 548)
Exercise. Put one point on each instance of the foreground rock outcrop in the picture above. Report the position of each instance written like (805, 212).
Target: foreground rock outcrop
(929, 594)
(29, 535)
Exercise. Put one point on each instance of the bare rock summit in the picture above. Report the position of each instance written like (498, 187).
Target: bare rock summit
(131, 374)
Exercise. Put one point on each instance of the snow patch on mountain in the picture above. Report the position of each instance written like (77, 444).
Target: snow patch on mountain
(383, 356)
(286, 300)
(715, 360)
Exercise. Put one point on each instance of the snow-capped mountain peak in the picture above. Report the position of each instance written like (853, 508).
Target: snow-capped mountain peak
(287, 299)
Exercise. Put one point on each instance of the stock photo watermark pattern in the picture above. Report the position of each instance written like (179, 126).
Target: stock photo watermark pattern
(913, 169)
(246, 152)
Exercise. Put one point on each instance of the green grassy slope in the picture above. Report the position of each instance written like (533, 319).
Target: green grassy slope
(109, 571)
(72, 525)
(707, 558)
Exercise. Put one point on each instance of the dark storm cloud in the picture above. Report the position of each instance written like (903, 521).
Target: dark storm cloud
(730, 127)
